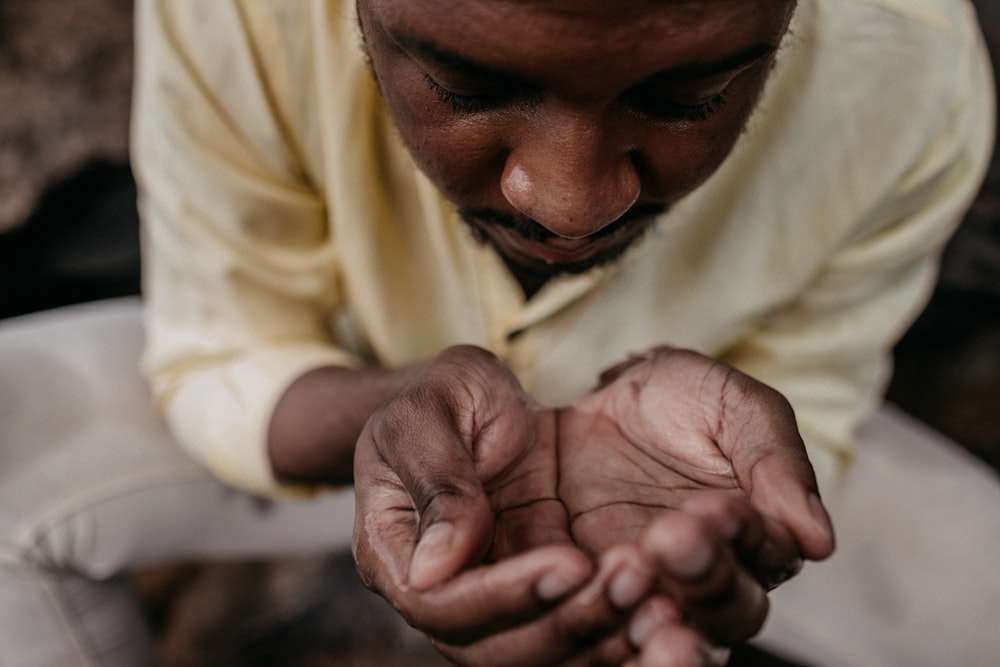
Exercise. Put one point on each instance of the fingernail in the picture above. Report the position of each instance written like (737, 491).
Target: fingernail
(556, 585)
(629, 586)
(435, 541)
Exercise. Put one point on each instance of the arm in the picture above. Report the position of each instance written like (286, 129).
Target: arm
(239, 262)
(311, 442)
(829, 350)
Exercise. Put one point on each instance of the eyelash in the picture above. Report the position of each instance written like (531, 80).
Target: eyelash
(460, 103)
(470, 104)
(691, 113)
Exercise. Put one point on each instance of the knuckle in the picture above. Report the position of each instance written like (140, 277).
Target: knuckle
(394, 423)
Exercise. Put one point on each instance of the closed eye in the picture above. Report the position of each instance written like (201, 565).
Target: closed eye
(665, 107)
(490, 98)
(459, 102)
(683, 99)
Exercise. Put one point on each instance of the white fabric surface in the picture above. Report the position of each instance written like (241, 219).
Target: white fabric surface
(91, 486)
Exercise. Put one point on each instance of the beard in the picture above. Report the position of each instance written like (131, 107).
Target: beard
(633, 226)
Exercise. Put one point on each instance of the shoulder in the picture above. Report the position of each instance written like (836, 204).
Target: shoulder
(890, 72)
(275, 31)
(923, 41)
(945, 16)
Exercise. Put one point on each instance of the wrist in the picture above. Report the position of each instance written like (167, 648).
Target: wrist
(316, 424)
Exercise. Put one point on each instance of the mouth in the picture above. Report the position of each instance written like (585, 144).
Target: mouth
(528, 244)
(560, 253)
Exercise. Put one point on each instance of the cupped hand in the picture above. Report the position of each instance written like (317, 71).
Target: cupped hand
(674, 430)
(459, 526)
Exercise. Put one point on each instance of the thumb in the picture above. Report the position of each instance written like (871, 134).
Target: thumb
(453, 526)
(783, 487)
(771, 463)
(455, 532)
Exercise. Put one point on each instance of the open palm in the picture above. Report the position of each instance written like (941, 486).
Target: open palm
(666, 427)
(458, 524)
(465, 434)
(474, 502)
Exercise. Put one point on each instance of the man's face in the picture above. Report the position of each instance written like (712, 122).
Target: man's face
(559, 128)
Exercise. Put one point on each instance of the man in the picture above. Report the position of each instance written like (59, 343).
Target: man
(418, 285)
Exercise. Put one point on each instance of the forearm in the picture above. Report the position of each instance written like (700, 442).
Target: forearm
(317, 422)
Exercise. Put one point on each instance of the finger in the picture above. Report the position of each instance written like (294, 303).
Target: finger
(385, 523)
(386, 528)
(677, 645)
(656, 612)
(770, 461)
(415, 438)
(489, 599)
(587, 628)
(611, 651)
(781, 490)
(763, 545)
(658, 633)
(735, 520)
(455, 531)
(699, 569)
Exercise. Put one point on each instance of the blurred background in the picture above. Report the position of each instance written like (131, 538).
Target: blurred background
(69, 233)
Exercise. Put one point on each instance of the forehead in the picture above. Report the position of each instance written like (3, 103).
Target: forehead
(532, 36)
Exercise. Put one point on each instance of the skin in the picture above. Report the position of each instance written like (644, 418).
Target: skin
(549, 117)
(513, 533)
(700, 520)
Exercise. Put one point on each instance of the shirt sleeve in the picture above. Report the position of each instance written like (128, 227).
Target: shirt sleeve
(239, 269)
(829, 351)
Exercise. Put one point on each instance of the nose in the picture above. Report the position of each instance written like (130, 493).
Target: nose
(571, 174)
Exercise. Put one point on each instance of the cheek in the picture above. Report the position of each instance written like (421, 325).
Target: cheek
(679, 164)
(678, 160)
(465, 163)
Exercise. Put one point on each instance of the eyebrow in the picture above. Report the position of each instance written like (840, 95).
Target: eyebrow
(448, 59)
(445, 58)
(728, 63)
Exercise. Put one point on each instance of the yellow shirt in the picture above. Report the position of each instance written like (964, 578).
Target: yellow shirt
(285, 227)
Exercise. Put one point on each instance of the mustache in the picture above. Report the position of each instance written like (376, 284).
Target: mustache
(535, 231)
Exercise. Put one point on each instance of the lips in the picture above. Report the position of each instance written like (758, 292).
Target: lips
(553, 252)
(557, 253)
